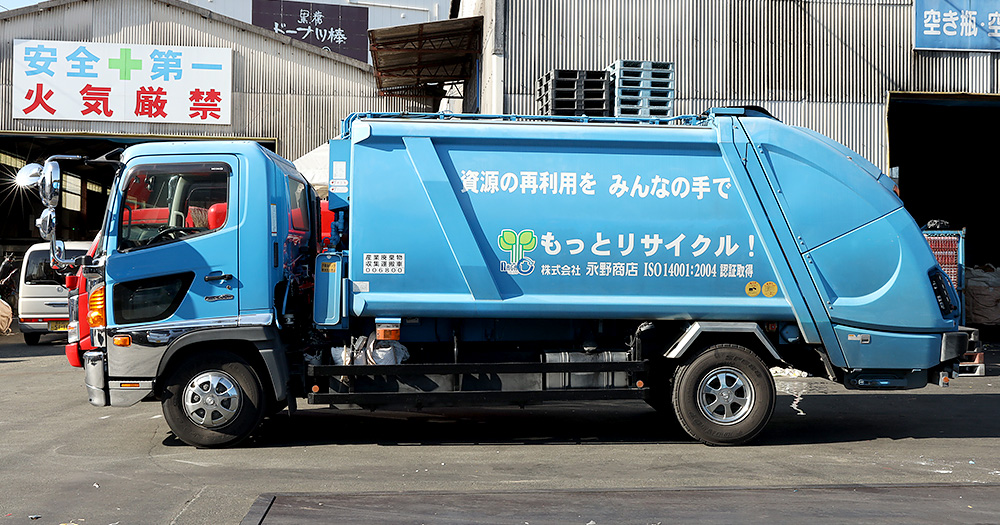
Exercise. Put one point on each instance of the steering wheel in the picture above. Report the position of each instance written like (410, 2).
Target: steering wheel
(172, 231)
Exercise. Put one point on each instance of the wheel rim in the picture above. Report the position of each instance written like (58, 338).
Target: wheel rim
(212, 399)
(725, 396)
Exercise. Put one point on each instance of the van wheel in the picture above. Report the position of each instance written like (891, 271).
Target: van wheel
(724, 396)
(32, 338)
(214, 399)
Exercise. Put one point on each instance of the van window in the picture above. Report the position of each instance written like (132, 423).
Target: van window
(168, 202)
(38, 267)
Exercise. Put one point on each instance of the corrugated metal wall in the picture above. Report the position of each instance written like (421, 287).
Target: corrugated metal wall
(824, 64)
(292, 92)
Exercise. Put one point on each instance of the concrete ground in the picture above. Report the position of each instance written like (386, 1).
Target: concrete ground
(829, 455)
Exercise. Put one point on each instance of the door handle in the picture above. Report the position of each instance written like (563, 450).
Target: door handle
(220, 277)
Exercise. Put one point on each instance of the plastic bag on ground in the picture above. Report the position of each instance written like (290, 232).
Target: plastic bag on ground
(6, 316)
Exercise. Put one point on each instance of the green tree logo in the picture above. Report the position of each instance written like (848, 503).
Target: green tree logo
(517, 243)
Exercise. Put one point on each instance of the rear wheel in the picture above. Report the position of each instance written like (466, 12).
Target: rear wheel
(32, 338)
(214, 399)
(724, 396)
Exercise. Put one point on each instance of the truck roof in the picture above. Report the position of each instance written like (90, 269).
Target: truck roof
(193, 147)
(681, 120)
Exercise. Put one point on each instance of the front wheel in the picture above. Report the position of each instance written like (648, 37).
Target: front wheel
(214, 399)
(724, 396)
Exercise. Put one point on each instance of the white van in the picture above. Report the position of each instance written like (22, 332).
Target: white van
(42, 306)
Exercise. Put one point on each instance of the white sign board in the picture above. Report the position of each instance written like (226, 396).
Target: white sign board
(55, 80)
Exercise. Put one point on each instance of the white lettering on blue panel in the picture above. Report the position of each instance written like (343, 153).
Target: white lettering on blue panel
(963, 25)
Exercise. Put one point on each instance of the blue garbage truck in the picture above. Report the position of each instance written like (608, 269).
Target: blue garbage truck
(471, 260)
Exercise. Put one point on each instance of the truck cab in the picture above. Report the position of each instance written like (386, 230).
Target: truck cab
(194, 265)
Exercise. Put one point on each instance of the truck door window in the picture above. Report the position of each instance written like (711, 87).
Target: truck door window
(298, 205)
(168, 202)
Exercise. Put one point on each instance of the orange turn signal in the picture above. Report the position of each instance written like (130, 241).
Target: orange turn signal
(123, 340)
(95, 308)
(387, 334)
(640, 384)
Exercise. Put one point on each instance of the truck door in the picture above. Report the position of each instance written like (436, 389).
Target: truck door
(172, 245)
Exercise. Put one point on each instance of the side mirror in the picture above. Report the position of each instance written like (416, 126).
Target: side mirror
(59, 250)
(27, 177)
(50, 183)
(47, 224)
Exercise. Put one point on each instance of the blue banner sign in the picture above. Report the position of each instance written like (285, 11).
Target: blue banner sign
(957, 25)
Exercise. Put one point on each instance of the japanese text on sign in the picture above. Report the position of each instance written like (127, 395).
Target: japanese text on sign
(649, 269)
(696, 246)
(339, 28)
(520, 244)
(970, 25)
(573, 183)
(56, 80)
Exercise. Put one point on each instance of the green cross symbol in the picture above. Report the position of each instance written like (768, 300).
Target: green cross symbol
(125, 64)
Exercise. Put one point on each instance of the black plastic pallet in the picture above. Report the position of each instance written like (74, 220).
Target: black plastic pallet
(572, 92)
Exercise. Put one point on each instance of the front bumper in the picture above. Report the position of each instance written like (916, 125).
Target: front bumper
(93, 365)
(117, 393)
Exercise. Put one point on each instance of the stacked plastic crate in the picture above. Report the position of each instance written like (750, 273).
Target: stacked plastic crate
(949, 250)
(642, 88)
(572, 92)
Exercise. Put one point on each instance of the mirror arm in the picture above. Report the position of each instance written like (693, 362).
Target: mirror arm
(57, 158)
(62, 263)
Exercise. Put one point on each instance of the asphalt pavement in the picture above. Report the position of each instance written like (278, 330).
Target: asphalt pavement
(829, 455)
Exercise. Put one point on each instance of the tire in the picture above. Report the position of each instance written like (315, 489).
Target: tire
(224, 418)
(702, 386)
(32, 338)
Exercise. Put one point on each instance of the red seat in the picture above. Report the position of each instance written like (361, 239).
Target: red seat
(327, 217)
(148, 216)
(217, 215)
(296, 220)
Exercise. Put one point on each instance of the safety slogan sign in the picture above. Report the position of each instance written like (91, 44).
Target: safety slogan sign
(56, 80)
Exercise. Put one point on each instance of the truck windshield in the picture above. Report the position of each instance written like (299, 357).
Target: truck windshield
(38, 269)
(168, 202)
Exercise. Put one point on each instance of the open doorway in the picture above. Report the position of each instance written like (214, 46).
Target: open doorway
(944, 147)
